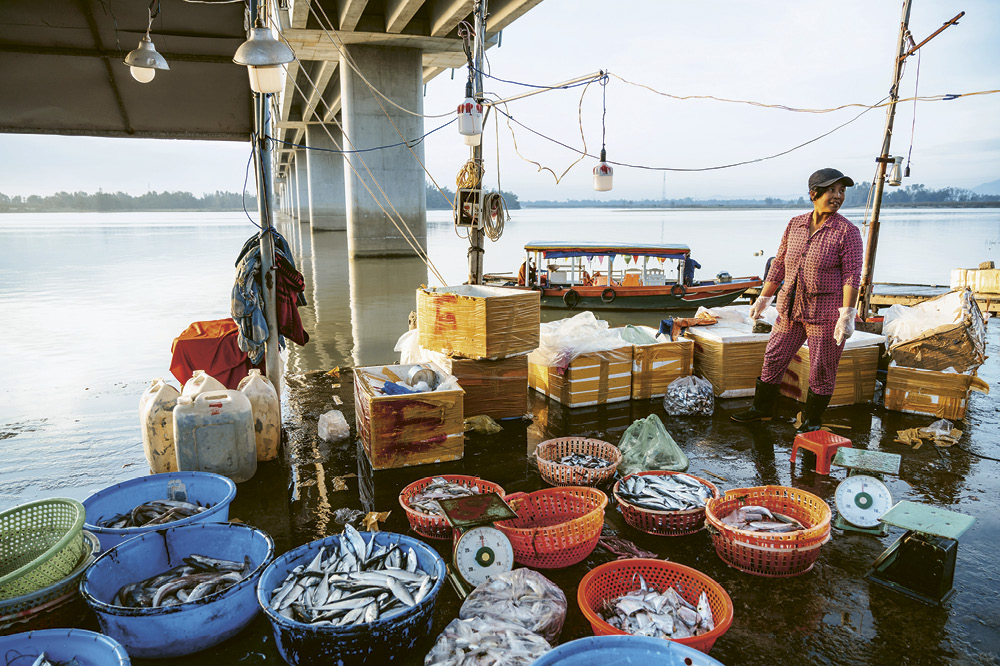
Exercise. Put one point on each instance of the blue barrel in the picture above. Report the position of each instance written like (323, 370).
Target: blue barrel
(625, 650)
(176, 630)
(61, 645)
(212, 490)
(374, 643)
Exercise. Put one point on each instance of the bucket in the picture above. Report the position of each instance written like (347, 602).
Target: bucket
(200, 382)
(88, 647)
(156, 418)
(624, 650)
(212, 490)
(375, 643)
(213, 432)
(266, 413)
(174, 631)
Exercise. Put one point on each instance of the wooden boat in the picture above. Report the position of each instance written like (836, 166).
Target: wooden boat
(565, 282)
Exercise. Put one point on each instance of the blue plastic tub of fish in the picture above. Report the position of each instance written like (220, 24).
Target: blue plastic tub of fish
(625, 650)
(88, 647)
(378, 642)
(171, 631)
(204, 488)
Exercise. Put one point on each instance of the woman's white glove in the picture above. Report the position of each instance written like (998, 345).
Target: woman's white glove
(845, 325)
(758, 307)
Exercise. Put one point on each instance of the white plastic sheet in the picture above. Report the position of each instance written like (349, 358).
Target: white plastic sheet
(562, 341)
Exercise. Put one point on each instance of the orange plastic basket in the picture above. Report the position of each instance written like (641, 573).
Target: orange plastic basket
(770, 554)
(428, 524)
(555, 527)
(612, 580)
(549, 451)
(664, 523)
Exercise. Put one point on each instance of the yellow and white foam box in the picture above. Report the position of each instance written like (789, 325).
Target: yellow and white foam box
(655, 365)
(591, 378)
(730, 355)
(937, 393)
(855, 373)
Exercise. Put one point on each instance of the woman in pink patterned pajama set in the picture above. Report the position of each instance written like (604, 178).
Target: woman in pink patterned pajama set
(818, 269)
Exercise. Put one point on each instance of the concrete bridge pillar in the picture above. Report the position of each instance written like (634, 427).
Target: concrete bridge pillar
(293, 189)
(301, 185)
(397, 73)
(327, 211)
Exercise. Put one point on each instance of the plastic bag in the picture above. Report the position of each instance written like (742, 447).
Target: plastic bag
(473, 642)
(638, 335)
(521, 596)
(482, 424)
(939, 427)
(689, 396)
(333, 426)
(560, 342)
(647, 445)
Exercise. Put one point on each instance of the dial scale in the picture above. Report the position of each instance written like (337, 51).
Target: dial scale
(480, 551)
(862, 500)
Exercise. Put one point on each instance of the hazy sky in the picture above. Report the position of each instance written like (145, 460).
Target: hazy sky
(792, 52)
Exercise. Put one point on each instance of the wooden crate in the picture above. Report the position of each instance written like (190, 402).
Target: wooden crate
(730, 357)
(655, 366)
(478, 322)
(406, 430)
(496, 388)
(944, 395)
(855, 376)
(593, 378)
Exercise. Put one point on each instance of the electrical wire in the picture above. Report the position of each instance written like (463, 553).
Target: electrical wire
(246, 179)
(978, 455)
(470, 175)
(411, 143)
(913, 125)
(529, 85)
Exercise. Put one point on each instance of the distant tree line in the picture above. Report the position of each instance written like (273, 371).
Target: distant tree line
(437, 202)
(120, 201)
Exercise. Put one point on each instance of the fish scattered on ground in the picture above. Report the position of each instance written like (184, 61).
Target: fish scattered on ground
(197, 578)
(646, 612)
(584, 460)
(478, 642)
(426, 499)
(156, 512)
(623, 549)
(522, 596)
(761, 519)
(671, 492)
(352, 583)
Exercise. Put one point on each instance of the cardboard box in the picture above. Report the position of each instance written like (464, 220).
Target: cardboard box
(944, 395)
(593, 378)
(497, 388)
(730, 356)
(655, 366)
(405, 430)
(958, 341)
(478, 322)
(855, 374)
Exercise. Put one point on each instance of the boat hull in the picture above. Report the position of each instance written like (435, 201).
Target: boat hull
(644, 298)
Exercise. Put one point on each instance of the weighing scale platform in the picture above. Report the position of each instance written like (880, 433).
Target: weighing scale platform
(870, 461)
(928, 519)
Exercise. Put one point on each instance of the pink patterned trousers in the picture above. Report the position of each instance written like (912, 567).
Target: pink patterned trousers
(787, 337)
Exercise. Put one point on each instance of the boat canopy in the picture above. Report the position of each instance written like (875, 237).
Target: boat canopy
(552, 250)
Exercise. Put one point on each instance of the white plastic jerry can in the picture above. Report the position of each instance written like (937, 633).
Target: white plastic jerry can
(266, 413)
(200, 382)
(156, 418)
(213, 432)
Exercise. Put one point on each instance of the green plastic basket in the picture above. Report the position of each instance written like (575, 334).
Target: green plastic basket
(40, 544)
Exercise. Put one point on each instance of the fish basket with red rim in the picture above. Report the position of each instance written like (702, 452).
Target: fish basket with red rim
(614, 579)
(435, 526)
(550, 451)
(663, 523)
(555, 527)
(771, 554)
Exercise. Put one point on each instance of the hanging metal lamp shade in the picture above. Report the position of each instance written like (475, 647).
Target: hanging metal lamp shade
(263, 56)
(144, 61)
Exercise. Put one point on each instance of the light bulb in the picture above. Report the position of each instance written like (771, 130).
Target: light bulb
(142, 74)
(265, 79)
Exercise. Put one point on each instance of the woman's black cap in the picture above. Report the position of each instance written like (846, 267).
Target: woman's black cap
(827, 177)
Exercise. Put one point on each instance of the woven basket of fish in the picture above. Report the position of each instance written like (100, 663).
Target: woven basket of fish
(57, 605)
(555, 527)
(664, 503)
(147, 503)
(178, 590)
(577, 461)
(62, 646)
(40, 544)
(655, 598)
(352, 598)
(772, 531)
(419, 501)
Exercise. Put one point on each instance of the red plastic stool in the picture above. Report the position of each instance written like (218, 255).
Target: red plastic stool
(824, 444)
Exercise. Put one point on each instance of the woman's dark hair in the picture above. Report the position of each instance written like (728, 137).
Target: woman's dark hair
(817, 192)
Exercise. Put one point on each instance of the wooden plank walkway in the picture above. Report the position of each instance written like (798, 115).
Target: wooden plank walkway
(895, 293)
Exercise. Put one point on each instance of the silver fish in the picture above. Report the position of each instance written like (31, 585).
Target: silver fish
(425, 501)
(486, 642)
(156, 512)
(673, 492)
(646, 612)
(761, 519)
(197, 578)
(583, 460)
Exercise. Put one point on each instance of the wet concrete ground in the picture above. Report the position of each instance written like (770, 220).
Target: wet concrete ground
(830, 615)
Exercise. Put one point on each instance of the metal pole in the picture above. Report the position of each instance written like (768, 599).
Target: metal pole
(872, 245)
(477, 237)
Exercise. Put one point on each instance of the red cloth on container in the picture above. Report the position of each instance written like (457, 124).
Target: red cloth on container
(210, 346)
(290, 285)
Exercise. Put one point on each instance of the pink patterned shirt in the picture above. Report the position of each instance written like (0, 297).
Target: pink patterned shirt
(815, 270)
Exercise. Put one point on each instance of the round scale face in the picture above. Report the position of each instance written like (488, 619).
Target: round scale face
(862, 500)
(482, 553)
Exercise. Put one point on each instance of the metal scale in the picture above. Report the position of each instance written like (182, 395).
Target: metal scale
(479, 550)
(862, 498)
(921, 563)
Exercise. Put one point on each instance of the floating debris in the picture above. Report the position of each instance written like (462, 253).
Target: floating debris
(439, 488)
(622, 548)
(198, 577)
(646, 612)
(672, 492)
(475, 642)
(353, 583)
(156, 512)
(584, 460)
(761, 519)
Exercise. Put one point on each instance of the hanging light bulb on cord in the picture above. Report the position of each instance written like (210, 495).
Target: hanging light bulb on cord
(470, 118)
(263, 56)
(603, 173)
(143, 61)
(895, 177)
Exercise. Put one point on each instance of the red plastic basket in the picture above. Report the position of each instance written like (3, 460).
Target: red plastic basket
(773, 555)
(614, 579)
(428, 524)
(555, 527)
(549, 451)
(664, 523)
